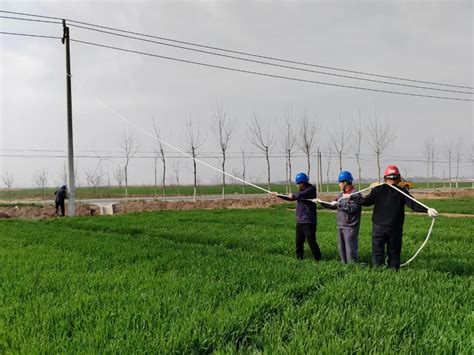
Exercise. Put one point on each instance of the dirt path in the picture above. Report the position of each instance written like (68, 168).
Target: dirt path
(39, 212)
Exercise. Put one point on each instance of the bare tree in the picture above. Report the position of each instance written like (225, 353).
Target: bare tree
(262, 140)
(128, 144)
(159, 150)
(62, 176)
(8, 179)
(194, 143)
(448, 151)
(244, 168)
(223, 128)
(381, 136)
(428, 148)
(433, 164)
(40, 179)
(405, 171)
(358, 147)
(94, 178)
(328, 167)
(176, 170)
(289, 142)
(99, 167)
(340, 138)
(458, 153)
(307, 143)
(119, 176)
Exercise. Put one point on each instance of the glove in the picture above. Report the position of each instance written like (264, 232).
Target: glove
(432, 213)
(333, 203)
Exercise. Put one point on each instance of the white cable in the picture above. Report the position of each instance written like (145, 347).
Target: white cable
(316, 200)
(410, 197)
(258, 187)
(407, 195)
(429, 232)
(422, 245)
(123, 118)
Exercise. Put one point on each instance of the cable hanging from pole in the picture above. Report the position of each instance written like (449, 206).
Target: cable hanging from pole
(271, 64)
(266, 74)
(242, 53)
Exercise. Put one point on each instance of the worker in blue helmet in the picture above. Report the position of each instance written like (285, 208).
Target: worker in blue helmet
(347, 219)
(305, 216)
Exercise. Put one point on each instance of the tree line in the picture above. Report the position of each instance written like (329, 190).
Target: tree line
(296, 133)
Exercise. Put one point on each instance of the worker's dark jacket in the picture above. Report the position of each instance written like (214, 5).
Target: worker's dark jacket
(348, 212)
(61, 195)
(389, 206)
(305, 210)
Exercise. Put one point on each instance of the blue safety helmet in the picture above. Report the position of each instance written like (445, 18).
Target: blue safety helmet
(345, 176)
(301, 177)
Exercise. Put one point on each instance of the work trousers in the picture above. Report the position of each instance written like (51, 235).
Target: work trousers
(307, 231)
(348, 244)
(60, 206)
(389, 238)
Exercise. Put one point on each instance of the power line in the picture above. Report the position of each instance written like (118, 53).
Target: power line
(241, 70)
(29, 19)
(242, 53)
(240, 58)
(268, 63)
(237, 157)
(28, 35)
(235, 154)
(266, 74)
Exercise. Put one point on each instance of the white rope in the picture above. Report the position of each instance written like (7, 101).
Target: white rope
(123, 118)
(315, 200)
(422, 245)
(429, 231)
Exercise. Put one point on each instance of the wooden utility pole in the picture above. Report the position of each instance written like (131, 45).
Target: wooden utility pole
(70, 145)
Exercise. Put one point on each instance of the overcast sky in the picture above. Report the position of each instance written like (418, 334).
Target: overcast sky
(423, 40)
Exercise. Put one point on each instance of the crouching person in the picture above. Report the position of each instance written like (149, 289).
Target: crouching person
(305, 216)
(347, 219)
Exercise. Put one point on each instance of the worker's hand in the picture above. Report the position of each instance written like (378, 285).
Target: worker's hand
(346, 195)
(432, 213)
(333, 203)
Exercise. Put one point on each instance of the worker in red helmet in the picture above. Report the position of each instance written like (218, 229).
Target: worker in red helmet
(388, 217)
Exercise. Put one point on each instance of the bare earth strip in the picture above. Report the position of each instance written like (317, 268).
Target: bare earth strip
(38, 211)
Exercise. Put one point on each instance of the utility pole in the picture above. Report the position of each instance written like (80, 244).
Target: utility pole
(318, 185)
(320, 168)
(70, 145)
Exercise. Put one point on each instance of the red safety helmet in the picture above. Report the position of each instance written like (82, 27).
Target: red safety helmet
(391, 172)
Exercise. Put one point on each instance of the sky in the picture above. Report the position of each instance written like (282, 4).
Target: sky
(422, 40)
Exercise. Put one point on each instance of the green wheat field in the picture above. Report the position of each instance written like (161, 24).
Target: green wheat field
(226, 281)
